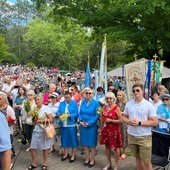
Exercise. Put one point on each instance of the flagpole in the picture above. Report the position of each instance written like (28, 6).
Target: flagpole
(88, 59)
(105, 66)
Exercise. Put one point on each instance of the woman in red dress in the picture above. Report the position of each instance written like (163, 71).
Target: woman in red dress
(110, 132)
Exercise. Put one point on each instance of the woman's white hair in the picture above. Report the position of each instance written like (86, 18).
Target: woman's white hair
(5, 96)
(111, 95)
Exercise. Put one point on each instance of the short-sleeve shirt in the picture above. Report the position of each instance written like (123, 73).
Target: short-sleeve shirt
(141, 111)
(5, 143)
(45, 110)
(54, 108)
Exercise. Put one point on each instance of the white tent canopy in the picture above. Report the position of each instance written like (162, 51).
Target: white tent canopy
(121, 72)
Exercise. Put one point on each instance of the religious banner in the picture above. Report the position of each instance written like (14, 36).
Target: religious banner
(156, 73)
(134, 73)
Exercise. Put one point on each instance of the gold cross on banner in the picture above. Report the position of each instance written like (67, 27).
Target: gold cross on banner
(155, 57)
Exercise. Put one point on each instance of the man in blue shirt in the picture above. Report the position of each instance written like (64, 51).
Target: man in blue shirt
(5, 144)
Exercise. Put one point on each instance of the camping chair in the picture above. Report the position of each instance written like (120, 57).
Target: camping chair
(160, 151)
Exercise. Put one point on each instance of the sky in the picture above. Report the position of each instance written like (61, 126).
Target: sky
(13, 1)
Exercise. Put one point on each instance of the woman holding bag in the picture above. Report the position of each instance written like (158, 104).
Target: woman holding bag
(68, 112)
(39, 140)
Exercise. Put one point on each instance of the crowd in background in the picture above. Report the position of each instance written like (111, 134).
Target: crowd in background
(97, 114)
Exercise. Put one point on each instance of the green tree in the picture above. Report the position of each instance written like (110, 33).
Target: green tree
(5, 56)
(53, 45)
(144, 24)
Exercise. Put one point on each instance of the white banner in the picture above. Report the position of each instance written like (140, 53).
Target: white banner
(103, 67)
(134, 73)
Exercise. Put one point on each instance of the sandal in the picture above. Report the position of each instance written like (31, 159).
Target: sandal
(31, 167)
(122, 157)
(60, 152)
(44, 167)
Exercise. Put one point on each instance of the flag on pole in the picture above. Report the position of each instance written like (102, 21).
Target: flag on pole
(103, 67)
(88, 76)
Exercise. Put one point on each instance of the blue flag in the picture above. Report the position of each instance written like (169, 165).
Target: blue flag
(88, 77)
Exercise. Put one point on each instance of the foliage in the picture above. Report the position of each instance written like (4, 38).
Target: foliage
(30, 65)
(5, 56)
(143, 24)
(53, 45)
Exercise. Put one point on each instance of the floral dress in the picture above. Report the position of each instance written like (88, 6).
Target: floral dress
(110, 132)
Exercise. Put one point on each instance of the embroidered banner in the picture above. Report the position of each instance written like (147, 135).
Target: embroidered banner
(134, 73)
(156, 73)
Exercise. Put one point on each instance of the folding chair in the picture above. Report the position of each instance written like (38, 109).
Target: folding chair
(160, 151)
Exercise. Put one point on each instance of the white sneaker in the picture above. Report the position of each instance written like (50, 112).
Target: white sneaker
(28, 149)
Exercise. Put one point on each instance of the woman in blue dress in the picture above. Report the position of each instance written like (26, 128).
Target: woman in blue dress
(88, 117)
(68, 128)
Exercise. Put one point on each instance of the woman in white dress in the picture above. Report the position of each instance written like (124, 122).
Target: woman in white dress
(39, 140)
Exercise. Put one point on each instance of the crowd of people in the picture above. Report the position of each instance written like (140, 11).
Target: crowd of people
(32, 98)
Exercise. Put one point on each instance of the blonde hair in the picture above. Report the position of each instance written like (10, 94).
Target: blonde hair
(111, 95)
(123, 96)
(31, 92)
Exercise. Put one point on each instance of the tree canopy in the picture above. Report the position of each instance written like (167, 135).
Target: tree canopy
(5, 56)
(145, 25)
(55, 46)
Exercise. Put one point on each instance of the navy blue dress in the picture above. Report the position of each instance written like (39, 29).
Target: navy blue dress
(88, 113)
(68, 130)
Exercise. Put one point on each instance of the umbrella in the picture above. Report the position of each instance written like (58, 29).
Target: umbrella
(54, 70)
(63, 71)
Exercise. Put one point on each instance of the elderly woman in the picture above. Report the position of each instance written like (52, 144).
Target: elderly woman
(121, 102)
(39, 140)
(88, 117)
(110, 132)
(54, 105)
(163, 112)
(68, 128)
(9, 113)
(46, 98)
(27, 125)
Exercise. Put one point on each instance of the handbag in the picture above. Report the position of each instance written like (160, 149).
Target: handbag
(50, 131)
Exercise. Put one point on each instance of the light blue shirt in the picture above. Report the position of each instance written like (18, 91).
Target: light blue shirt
(5, 142)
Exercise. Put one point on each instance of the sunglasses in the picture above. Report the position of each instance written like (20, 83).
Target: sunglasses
(88, 93)
(137, 90)
(165, 99)
(109, 98)
(29, 94)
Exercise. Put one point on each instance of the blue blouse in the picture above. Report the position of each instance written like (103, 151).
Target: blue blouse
(162, 111)
(72, 110)
(88, 112)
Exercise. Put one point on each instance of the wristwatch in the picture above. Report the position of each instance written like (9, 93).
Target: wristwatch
(139, 123)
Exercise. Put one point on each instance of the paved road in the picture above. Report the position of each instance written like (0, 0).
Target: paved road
(55, 163)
